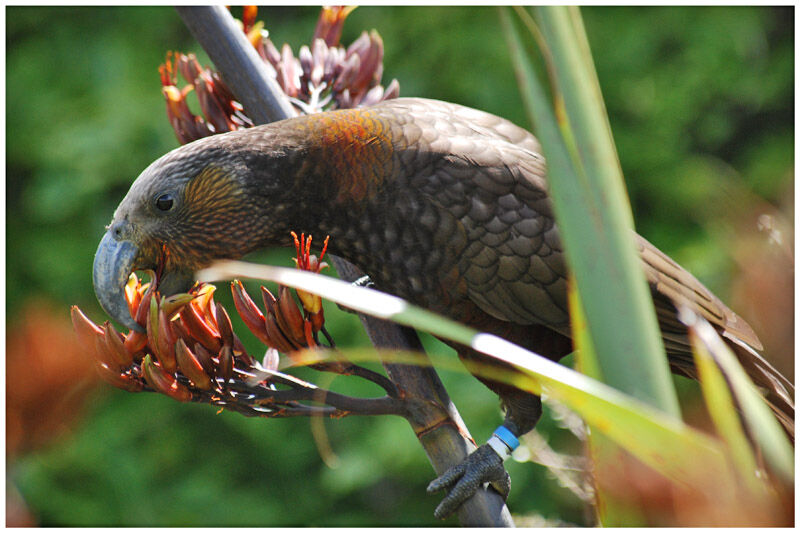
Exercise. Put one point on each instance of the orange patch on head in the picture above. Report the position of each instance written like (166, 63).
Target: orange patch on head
(355, 145)
(213, 218)
(211, 190)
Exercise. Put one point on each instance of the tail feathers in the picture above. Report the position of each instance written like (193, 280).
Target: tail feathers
(670, 284)
(775, 388)
(777, 391)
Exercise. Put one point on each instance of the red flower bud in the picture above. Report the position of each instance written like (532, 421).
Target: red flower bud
(191, 367)
(163, 382)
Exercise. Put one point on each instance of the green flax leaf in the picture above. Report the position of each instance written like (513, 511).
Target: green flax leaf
(592, 208)
(657, 438)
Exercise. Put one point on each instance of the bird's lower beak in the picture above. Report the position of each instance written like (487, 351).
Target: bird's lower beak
(175, 282)
(113, 264)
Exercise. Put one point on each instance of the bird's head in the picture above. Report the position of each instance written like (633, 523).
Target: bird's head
(219, 197)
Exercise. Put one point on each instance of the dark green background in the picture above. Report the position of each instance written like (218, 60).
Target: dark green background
(700, 99)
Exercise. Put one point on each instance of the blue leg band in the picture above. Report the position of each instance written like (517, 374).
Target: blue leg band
(508, 438)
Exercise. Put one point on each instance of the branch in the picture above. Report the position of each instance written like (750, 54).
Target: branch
(435, 420)
(237, 394)
(244, 72)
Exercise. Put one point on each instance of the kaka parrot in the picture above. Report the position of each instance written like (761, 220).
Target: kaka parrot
(442, 205)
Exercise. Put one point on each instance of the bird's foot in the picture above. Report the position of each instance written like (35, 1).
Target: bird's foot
(484, 465)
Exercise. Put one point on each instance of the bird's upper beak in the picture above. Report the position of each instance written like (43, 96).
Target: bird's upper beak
(114, 261)
(113, 264)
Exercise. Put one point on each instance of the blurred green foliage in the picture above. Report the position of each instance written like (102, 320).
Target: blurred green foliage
(700, 102)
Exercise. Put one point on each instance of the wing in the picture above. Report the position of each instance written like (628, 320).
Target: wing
(515, 271)
(488, 175)
(490, 178)
(514, 265)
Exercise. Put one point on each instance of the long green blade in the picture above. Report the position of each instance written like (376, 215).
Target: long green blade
(656, 438)
(592, 210)
(716, 363)
(723, 412)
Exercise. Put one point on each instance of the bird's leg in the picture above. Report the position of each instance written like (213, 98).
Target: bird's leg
(485, 465)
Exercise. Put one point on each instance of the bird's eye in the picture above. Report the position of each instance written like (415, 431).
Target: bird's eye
(165, 202)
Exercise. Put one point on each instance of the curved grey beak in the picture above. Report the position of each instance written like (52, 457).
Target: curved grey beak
(113, 263)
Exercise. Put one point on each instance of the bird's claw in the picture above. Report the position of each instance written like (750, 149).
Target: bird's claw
(464, 479)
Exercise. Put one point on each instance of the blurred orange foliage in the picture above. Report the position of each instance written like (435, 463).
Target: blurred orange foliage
(48, 377)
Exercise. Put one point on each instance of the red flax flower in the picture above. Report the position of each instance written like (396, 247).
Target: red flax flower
(188, 347)
(188, 351)
(283, 326)
(312, 303)
(221, 113)
(323, 76)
